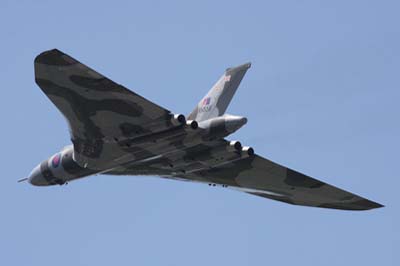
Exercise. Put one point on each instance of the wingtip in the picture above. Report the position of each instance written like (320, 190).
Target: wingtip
(47, 53)
(376, 205)
(359, 205)
(368, 205)
(54, 57)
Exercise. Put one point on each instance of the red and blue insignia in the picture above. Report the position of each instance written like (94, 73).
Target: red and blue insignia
(55, 162)
(206, 101)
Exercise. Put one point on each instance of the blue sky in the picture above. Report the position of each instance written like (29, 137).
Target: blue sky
(322, 97)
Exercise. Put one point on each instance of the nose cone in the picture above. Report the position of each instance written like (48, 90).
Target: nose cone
(36, 178)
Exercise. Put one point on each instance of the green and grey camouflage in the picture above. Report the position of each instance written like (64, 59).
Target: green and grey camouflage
(115, 131)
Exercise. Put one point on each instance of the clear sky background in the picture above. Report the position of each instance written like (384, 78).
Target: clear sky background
(322, 97)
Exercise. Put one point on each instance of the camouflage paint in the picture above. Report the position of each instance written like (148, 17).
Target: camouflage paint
(115, 131)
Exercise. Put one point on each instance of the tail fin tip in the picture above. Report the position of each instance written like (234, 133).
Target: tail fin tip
(244, 66)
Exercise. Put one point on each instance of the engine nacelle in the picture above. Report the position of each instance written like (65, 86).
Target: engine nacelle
(247, 151)
(178, 119)
(192, 124)
(234, 146)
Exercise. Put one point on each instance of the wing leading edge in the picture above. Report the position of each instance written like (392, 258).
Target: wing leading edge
(99, 111)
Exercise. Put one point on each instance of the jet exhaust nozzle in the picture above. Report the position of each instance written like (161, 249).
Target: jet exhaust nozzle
(235, 146)
(178, 119)
(192, 124)
(248, 151)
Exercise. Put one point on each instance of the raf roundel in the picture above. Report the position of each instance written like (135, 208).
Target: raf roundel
(55, 162)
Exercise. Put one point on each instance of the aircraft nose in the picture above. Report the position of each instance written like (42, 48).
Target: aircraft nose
(36, 178)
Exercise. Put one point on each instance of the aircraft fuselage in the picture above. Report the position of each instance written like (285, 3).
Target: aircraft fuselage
(62, 166)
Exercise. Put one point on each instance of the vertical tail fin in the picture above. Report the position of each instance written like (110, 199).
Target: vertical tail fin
(218, 98)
